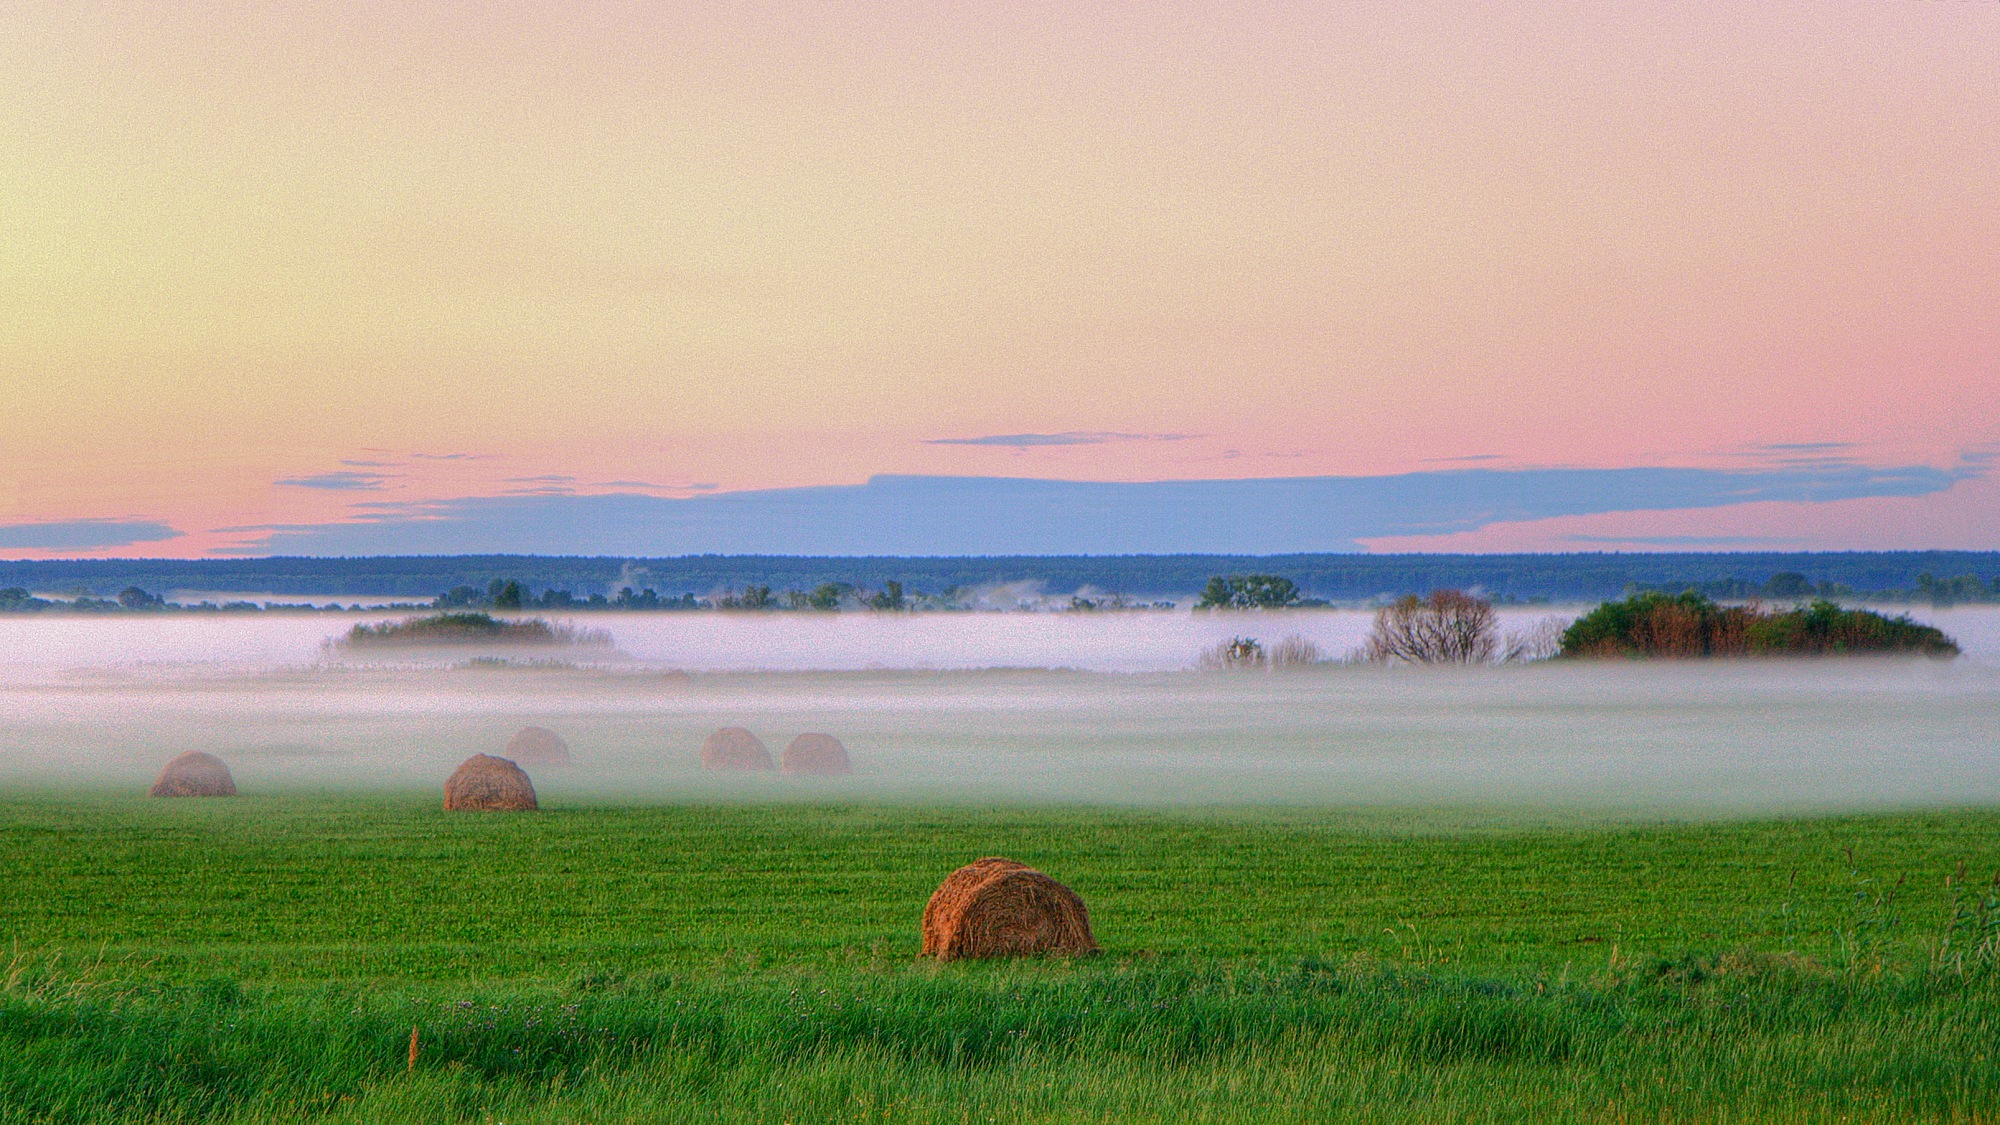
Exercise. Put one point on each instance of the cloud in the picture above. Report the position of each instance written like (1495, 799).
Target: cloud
(1791, 453)
(82, 535)
(342, 481)
(655, 486)
(369, 464)
(1068, 437)
(911, 515)
(547, 484)
(451, 456)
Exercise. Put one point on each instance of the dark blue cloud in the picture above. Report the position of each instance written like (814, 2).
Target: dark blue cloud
(909, 515)
(82, 535)
(343, 481)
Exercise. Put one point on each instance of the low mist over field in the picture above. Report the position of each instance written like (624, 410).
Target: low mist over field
(1004, 708)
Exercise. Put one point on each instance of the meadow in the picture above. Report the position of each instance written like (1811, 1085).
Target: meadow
(1738, 891)
(266, 959)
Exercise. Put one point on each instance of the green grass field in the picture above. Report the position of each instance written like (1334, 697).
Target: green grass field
(265, 959)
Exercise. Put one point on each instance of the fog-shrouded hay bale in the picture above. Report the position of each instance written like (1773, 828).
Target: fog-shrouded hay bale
(195, 774)
(733, 748)
(995, 907)
(538, 746)
(816, 754)
(483, 783)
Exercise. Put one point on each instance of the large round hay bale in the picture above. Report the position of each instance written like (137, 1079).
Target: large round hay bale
(815, 754)
(483, 783)
(996, 907)
(538, 746)
(733, 748)
(195, 774)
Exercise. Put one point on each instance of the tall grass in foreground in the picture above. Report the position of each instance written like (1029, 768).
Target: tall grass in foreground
(1743, 1036)
(265, 960)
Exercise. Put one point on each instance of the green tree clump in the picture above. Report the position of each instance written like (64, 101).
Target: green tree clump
(1824, 628)
(1690, 625)
(752, 597)
(132, 597)
(825, 596)
(1248, 591)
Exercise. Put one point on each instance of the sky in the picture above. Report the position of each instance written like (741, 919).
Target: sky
(322, 278)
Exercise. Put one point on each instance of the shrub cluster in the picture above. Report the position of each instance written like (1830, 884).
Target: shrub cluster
(471, 628)
(1691, 625)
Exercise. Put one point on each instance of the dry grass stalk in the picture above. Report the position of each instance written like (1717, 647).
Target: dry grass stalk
(995, 907)
(820, 754)
(483, 783)
(195, 774)
(538, 746)
(734, 748)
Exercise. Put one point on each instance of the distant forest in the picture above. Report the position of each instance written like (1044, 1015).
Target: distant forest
(1937, 577)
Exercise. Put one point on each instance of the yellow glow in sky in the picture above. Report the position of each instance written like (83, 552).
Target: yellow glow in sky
(793, 244)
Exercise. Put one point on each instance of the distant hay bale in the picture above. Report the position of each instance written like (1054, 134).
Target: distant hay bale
(483, 783)
(995, 907)
(195, 774)
(733, 748)
(816, 754)
(538, 746)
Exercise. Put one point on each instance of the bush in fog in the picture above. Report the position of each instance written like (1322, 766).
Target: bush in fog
(1448, 627)
(1690, 625)
(471, 629)
(1237, 652)
(1294, 651)
(1656, 624)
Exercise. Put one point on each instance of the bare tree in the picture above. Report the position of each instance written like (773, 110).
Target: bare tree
(1449, 627)
(1540, 641)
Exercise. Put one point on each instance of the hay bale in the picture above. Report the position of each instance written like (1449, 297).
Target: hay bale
(195, 774)
(733, 748)
(483, 783)
(538, 746)
(996, 907)
(815, 754)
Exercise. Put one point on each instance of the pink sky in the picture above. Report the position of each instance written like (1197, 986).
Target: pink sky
(797, 244)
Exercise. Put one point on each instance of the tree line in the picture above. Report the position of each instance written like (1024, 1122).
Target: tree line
(1887, 576)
